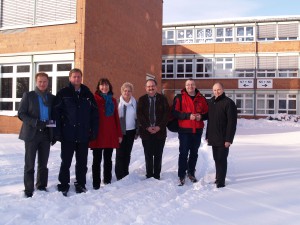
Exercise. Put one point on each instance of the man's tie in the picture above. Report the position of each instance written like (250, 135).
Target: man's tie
(151, 112)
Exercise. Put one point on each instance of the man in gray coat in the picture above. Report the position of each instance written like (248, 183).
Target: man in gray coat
(35, 112)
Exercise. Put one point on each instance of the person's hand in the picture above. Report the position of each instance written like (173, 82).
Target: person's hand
(227, 144)
(192, 117)
(151, 130)
(120, 139)
(198, 116)
(41, 125)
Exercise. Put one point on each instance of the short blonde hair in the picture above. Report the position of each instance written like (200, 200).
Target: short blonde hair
(127, 85)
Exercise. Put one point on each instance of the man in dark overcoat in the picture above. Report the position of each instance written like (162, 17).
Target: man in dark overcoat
(76, 115)
(221, 127)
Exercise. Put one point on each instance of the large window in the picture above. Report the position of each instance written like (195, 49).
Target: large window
(204, 67)
(223, 67)
(204, 35)
(244, 103)
(185, 36)
(287, 103)
(224, 34)
(168, 37)
(245, 34)
(167, 68)
(14, 81)
(265, 104)
(184, 68)
(21, 13)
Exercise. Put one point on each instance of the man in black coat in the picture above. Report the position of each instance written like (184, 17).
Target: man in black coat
(152, 115)
(221, 127)
(77, 118)
(35, 111)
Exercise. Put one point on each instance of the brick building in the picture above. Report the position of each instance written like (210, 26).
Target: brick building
(257, 60)
(120, 40)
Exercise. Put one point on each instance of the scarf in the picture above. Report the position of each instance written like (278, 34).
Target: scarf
(109, 104)
(43, 95)
(123, 104)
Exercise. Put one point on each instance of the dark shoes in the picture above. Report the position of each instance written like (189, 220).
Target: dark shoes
(42, 189)
(63, 189)
(181, 181)
(220, 185)
(80, 188)
(28, 194)
(192, 178)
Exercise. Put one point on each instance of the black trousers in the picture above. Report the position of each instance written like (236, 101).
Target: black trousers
(81, 154)
(123, 154)
(40, 146)
(153, 150)
(220, 154)
(107, 165)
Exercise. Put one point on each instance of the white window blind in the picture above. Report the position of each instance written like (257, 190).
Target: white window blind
(287, 62)
(245, 62)
(267, 31)
(17, 12)
(288, 30)
(36, 12)
(267, 62)
(55, 10)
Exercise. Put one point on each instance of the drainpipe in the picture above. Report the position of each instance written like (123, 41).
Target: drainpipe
(255, 71)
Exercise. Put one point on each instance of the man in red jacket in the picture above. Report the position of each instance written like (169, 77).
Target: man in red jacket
(190, 110)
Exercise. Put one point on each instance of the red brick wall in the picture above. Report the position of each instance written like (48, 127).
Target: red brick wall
(126, 38)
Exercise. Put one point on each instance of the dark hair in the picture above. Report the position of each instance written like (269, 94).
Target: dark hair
(151, 80)
(75, 70)
(105, 81)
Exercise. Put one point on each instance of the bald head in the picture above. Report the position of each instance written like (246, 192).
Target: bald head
(218, 89)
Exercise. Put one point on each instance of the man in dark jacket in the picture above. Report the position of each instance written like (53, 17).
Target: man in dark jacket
(190, 110)
(76, 114)
(221, 127)
(35, 111)
(152, 115)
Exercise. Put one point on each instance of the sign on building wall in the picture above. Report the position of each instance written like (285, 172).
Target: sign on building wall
(244, 83)
(264, 83)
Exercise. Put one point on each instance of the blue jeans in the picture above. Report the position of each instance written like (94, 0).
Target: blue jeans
(188, 153)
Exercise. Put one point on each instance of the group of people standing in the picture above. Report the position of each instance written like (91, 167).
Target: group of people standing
(81, 120)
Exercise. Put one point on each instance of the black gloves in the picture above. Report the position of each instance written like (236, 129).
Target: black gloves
(41, 125)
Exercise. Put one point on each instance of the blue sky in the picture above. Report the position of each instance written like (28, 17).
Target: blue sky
(195, 10)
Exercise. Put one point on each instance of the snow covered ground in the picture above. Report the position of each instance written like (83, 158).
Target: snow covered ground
(262, 187)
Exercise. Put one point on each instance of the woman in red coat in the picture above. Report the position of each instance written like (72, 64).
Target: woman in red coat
(109, 133)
